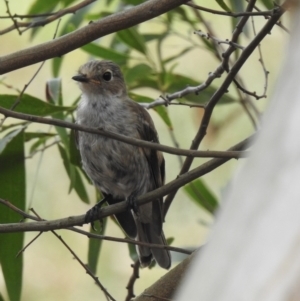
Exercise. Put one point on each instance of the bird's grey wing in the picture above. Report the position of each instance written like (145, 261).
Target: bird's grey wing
(156, 165)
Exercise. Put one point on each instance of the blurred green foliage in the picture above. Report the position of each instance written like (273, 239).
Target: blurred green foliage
(130, 49)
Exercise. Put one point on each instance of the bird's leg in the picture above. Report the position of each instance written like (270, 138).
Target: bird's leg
(92, 214)
(132, 205)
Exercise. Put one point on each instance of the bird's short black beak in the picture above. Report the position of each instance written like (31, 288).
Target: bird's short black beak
(80, 78)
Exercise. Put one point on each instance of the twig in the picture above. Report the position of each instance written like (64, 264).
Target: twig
(16, 26)
(49, 18)
(279, 23)
(27, 245)
(42, 149)
(131, 241)
(135, 275)
(230, 14)
(176, 144)
(245, 101)
(9, 86)
(17, 16)
(166, 100)
(218, 41)
(129, 140)
(261, 60)
(85, 267)
(187, 105)
(266, 73)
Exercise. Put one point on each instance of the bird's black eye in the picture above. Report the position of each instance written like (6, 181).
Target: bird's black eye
(107, 76)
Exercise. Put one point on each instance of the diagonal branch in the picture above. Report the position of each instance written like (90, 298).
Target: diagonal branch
(122, 206)
(126, 139)
(278, 12)
(94, 30)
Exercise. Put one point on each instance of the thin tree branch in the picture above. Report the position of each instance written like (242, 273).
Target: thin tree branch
(122, 206)
(31, 16)
(230, 14)
(15, 26)
(245, 101)
(94, 30)
(135, 275)
(85, 267)
(50, 18)
(278, 12)
(129, 140)
(94, 235)
(216, 40)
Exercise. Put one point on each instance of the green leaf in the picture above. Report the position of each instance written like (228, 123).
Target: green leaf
(133, 2)
(54, 94)
(105, 53)
(136, 72)
(31, 105)
(42, 6)
(133, 39)
(163, 113)
(223, 5)
(40, 141)
(95, 245)
(148, 81)
(56, 64)
(67, 2)
(184, 16)
(1, 297)
(239, 6)
(269, 4)
(151, 37)
(170, 240)
(75, 157)
(177, 55)
(6, 127)
(76, 182)
(202, 195)
(8, 138)
(132, 252)
(33, 135)
(12, 188)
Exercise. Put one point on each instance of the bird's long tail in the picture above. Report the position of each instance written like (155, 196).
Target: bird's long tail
(145, 233)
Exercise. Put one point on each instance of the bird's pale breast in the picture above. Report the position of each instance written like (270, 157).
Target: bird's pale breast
(115, 167)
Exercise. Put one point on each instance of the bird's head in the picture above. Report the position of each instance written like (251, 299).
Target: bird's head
(101, 78)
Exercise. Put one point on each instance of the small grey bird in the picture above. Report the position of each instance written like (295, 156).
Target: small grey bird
(122, 171)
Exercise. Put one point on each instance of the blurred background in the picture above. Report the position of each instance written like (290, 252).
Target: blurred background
(50, 271)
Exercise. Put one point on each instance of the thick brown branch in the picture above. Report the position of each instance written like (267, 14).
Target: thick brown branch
(165, 287)
(129, 140)
(69, 42)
